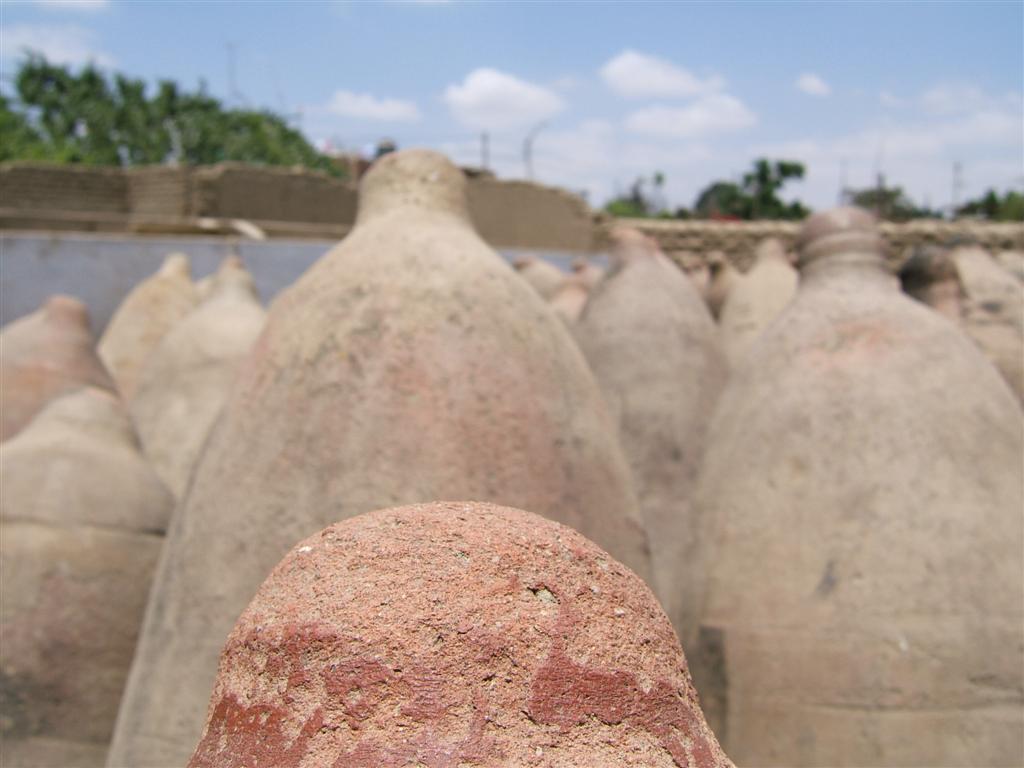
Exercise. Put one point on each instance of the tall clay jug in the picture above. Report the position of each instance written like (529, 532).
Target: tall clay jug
(184, 385)
(145, 315)
(82, 518)
(653, 348)
(44, 355)
(863, 492)
(410, 363)
(757, 299)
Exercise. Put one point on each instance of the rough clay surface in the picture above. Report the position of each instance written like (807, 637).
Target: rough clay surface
(756, 299)
(722, 279)
(545, 278)
(589, 273)
(653, 348)
(185, 383)
(81, 522)
(453, 634)
(570, 299)
(409, 364)
(45, 355)
(147, 313)
(863, 494)
(993, 312)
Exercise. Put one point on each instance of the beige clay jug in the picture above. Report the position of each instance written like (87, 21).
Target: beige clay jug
(146, 314)
(653, 348)
(862, 493)
(44, 355)
(82, 518)
(184, 385)
(409, 364)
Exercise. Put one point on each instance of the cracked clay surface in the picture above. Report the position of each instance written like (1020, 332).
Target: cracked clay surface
(453, 634)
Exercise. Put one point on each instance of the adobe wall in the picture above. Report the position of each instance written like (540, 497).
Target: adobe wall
(689, 241)
(300, 203)
(528, 215)
(43, 186)
(159, 191)
(255, 193)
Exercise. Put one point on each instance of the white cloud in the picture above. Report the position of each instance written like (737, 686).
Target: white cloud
(889, 99)
(813, 85)
(716, 113)
(365, 106)
(60, 44)
(492, 100)
(73, 5)
(637, 75)
(917, 154)
(953, 98)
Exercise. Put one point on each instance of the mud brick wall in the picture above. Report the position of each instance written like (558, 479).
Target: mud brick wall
(522, 214)
(160, 191)
(41, 187)
(690, 241)
(234, 190)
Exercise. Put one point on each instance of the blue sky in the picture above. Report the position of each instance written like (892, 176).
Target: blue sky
(693, 90)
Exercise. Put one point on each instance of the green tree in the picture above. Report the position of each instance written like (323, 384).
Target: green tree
(756, 196)
(1009, 207)
(644, 199)
(888, 203)
(20, 140)
(89, 118)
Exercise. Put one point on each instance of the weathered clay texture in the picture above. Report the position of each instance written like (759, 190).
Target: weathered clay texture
(82, 518)
(589, 273)
(970, 288)
(45, 355)
(758, 297)
(409, 364)
(653, 348)
(453, 634)
(147, 313)
(930, 276)
(993, 312)
(863, 491)
(545, 278)
(1012, 262)
(570, 299)
(185, 383)
(722, 279)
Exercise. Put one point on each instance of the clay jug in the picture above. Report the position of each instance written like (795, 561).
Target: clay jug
(410, 363)
(184, 385)
(757, 298)
(82, 518)
(653, 348)
(930, 276)
(862, 490)
(453, 634)
(590, 274)
(545, 278)
(145, 315)
(722, 279)
(570, 299)
(993, 312)
(44, 355)
(696, 268)
(1012, 262)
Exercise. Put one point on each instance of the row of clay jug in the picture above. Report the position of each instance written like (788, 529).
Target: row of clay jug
(87, 478)
(831, 529)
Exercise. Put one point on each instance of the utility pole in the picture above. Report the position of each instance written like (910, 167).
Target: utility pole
(233, 93)
(485, 159)
(958, 185)
(528, 148)
(842, 182)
